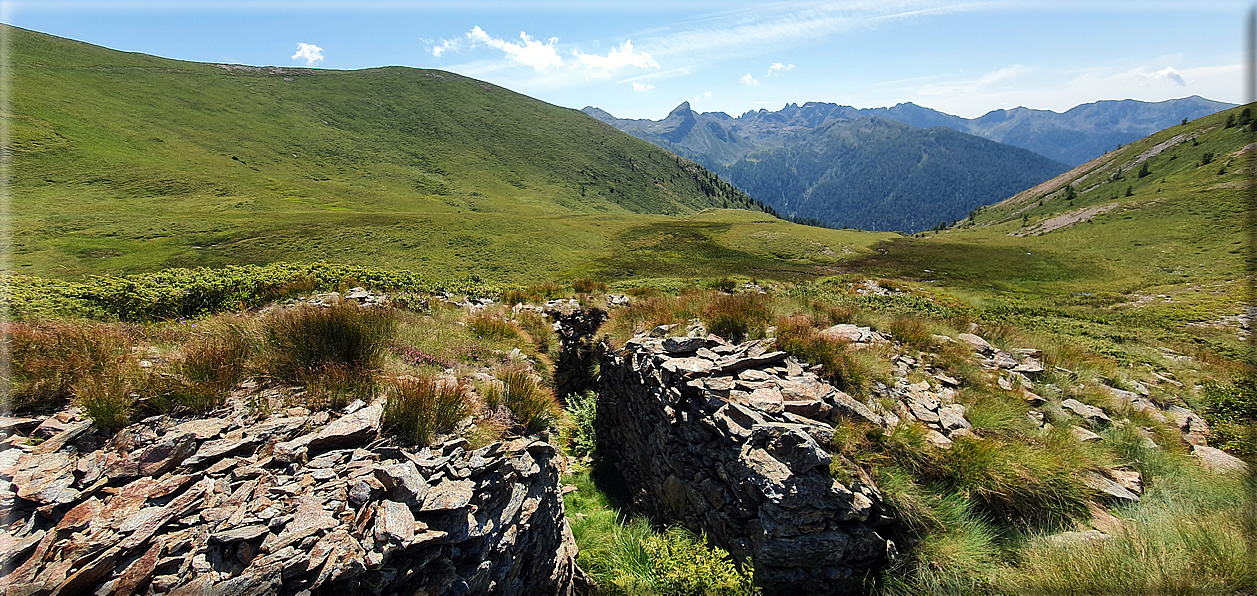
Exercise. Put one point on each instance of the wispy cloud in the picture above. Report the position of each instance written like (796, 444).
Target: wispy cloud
(642, 87)
(529, 52)
(619, 58)
(777, 68)
(446, 45)
(990, 81)
(754, 30)
(309, 52)
(1167, 73)
(747, 79)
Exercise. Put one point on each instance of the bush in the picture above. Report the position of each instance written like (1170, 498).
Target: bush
(532, 406)
(582, 408)
(739, 316)
(48, 358)
(681, 563)
(302, 341)
(1231, 411)
(418, 408)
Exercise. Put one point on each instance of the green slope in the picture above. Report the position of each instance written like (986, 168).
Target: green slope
(1169, 258)
(126, 163)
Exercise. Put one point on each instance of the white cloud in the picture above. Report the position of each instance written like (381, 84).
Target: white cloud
(529, 52)
(603, 66)
(446, 45)
(747, 79)
(1167, 73)
(777, 68)
(701, 96)
(642, 87)
(309, 52)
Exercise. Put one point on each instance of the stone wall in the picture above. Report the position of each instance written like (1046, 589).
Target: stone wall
(289, 503)
(730, 440)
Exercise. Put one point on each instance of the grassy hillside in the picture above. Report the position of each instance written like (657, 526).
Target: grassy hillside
(126, 163)
(1121, 252)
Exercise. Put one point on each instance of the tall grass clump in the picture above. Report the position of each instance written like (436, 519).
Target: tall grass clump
(1187, 536)
(299, 342)
(212, 363)
(47, 359)
(419, 408)
(532, 406)
(843, 367)
(492, 327)
(540, 331)
(914, 332)
(107, 399)
(586, 285)
(738, 317)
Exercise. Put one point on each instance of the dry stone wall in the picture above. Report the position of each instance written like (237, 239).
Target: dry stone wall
(291, 503)
(731, 440)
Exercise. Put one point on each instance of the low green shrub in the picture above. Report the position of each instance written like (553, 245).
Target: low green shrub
(1231, 411)
(582, 409)
(681, 563)
(419, 408)
(300, 342)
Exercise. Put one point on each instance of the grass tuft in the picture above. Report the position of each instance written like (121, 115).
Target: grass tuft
(419, 408)
(301, 342)
(738, 317)
(533, 406)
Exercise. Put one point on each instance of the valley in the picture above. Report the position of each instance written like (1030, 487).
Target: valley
(274, 330)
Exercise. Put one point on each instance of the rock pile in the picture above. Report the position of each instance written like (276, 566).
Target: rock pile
(730, 440)
(292, 503)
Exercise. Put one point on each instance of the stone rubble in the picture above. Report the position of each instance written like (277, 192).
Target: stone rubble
(287, 504)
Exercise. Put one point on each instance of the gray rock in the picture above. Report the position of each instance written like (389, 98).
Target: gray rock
(977, 343)
(404, 482)
(1109, 488)
(394, 523)
(1218, 461)
(450, 494)
(1084, 435)
(1091, 414)
(353, 429)
(684, 345)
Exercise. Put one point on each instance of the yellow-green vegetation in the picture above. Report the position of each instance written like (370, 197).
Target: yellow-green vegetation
(627, 556)
(394, 167)
(419, 407)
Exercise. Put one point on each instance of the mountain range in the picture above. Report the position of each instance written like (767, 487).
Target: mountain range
(900, 168)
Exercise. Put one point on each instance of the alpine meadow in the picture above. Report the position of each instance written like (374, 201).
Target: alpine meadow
(288, 330)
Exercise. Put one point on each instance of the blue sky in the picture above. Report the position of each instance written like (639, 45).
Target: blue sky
(640, 59)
